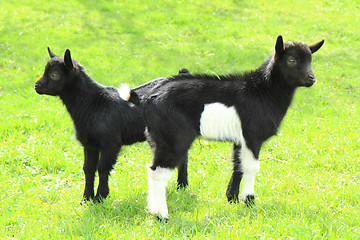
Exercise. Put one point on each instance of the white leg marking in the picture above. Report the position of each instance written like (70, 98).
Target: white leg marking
(219, 122)
(250, 166)
(158, 180)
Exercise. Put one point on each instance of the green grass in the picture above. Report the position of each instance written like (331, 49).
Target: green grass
(308, 185)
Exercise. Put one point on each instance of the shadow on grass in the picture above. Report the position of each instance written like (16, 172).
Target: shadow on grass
(133, 206)
(184, 208)
(190, 215)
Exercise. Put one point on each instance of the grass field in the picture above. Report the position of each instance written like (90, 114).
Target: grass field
(309, 183)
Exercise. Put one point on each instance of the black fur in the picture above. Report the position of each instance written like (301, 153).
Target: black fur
(103, 121)
(172, 109)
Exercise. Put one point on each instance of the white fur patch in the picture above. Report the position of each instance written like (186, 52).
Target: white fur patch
(219, 122)
(158, 180)
(250, 166)
(124, 92)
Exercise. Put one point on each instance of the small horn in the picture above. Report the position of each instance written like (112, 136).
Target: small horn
(316, 46)
(51, 54)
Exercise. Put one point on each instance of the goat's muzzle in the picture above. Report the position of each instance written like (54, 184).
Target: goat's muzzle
(39, 87)
(310, 80)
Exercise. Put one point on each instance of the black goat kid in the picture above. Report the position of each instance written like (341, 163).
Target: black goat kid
(242, 108)
(103, 121)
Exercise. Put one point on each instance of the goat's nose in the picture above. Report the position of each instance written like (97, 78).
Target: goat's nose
(312, 77)
(37, 84)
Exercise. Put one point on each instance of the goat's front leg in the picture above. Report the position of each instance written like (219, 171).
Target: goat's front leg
(107, 161)
(249, 166)
(90, 162)
(232, 192)
(245, 168)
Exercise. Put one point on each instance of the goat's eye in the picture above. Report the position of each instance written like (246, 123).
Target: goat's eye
(291, 61)
(55, 76)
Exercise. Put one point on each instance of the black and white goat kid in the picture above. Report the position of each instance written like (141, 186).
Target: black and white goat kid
(242, 108)
(103, 121)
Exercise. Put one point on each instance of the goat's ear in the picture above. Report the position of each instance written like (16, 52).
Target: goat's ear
(67, 60)
(51, 54)
(279, 47)
(316, 46)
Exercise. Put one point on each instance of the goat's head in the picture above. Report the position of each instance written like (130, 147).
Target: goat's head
(58, 73)
(294, 61)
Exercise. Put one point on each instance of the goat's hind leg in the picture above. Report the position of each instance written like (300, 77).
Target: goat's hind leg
(158, 178)
(91, 158)
(159, 174)
(182, 180)
(171, 137)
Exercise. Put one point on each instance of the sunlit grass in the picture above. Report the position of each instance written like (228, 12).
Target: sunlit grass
(308, 185)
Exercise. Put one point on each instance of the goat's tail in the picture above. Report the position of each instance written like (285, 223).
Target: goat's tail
(128, 95)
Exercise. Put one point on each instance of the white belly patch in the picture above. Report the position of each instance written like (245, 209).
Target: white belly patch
(219, 122)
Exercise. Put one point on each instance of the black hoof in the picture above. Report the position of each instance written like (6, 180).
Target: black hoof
(99, 199)
(232, 199)
(250, 201)
(182, 186)
(160, 219)
(86, 199)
